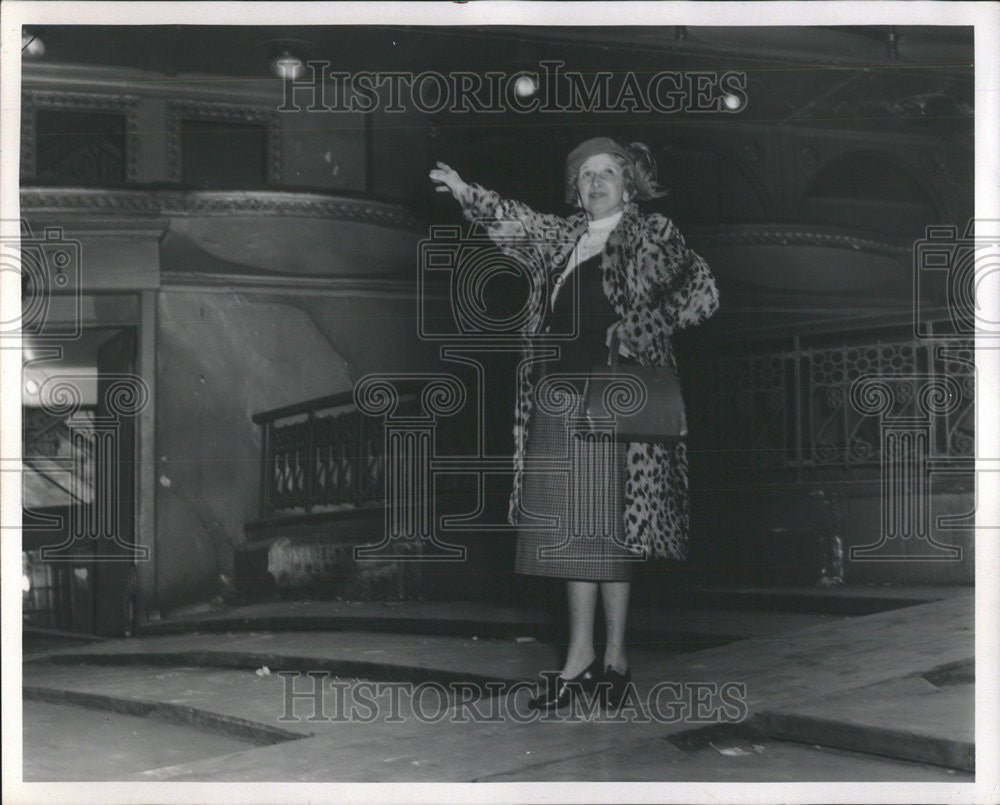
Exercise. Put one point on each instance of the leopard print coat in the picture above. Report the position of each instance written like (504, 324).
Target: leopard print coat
(656, 286)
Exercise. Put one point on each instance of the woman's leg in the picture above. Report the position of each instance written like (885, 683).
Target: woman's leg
(582, 599)
(615, 595)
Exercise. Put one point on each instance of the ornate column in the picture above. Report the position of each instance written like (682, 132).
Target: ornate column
(410, 510)
(906, 443)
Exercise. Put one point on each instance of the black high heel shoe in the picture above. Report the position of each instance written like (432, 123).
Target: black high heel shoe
(561, 691)
(615, 687)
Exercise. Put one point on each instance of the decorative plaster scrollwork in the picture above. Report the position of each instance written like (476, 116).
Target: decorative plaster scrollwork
(770, 235)
(226, 203)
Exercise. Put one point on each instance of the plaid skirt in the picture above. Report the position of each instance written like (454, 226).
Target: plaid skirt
(572, 520)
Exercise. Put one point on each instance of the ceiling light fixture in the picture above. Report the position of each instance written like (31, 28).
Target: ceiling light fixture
(525, 86)
(32, 47)
(287, 65)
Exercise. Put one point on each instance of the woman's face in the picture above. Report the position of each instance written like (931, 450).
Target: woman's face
(601, 185)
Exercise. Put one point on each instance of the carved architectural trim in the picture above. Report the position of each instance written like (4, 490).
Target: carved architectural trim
(790, 235)
(367, 287)
(224, 203)
(178, 111)
(395, 216)
(33, 100)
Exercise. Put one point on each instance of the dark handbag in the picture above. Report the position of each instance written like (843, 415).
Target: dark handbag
(644, 403)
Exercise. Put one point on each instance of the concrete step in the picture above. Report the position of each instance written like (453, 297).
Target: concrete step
(256, 709)
(823, 658)
(35, 640)
(656, 594)
(262, 708)
(410, 739)
(211, 716)
(701, 616)
(776, 673)
(909, 719)
(674, 631)
(368, 655)
(728, 761)
(70, 744)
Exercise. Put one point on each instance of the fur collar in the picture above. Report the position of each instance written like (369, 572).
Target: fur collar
(618, 260)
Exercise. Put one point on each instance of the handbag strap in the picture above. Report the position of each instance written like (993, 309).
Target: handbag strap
(613, 350)
(612, 362)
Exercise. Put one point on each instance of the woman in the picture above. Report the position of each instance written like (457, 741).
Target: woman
(637, 279)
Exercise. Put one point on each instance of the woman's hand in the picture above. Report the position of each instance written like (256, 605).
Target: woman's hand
(448, 180)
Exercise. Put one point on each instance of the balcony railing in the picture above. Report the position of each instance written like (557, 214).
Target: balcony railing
(808, 411)
(321, 455)
(816, 411)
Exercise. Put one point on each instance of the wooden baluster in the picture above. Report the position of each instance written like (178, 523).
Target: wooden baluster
(309, 469)
(266, 470)
(361, 456)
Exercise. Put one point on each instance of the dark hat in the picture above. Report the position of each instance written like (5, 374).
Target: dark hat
(583, 152)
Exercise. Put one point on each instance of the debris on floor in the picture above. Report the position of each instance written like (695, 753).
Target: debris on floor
(738, 751)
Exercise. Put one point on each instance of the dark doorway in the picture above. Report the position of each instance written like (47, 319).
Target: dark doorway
(78, 563)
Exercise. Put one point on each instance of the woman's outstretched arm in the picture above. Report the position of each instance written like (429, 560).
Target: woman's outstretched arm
(508, 223)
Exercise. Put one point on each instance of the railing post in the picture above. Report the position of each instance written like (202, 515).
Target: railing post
(309, 466)
(361, 457)
(799, 396)
(266, 469)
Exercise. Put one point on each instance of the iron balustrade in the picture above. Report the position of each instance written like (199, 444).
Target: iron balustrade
(787, 414)
(760, 415)
(321, 455)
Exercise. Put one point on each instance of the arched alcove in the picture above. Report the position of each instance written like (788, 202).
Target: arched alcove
(871, 191)
(708, 187)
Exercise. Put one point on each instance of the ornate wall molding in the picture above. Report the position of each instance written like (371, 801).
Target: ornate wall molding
(33, 100)
(786, 235)
(316, 285)
(223, 203)
(178, 111)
